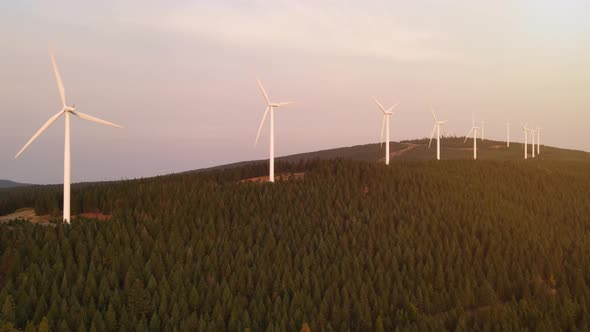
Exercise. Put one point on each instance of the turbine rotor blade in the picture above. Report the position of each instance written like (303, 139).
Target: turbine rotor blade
(432, 135)
(263, 92)
(283, 104)
(433, 115)
(261, 125)
(93, 119)
(379, 104)
(60, 86)
(467, 137)
(390, 110)
(40, 131)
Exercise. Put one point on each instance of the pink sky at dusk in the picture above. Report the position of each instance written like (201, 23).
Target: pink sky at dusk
(180, 76)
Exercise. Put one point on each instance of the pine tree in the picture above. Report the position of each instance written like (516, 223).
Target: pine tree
(305, 328)
(8, 310)
(379, 325)
(44, 325)
(30, 327)
(110, 318)
(138, 300)
(155, 323)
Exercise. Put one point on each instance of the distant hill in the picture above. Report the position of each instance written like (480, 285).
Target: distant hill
(11, 184)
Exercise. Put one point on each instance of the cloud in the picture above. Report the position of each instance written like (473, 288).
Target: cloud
(329, 27)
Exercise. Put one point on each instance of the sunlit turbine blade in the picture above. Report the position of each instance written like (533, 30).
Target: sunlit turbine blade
(433, 115)
(40, 131)
(263, 92)
(431, 135)
(93, 119)
(467, 137)
(283, 104)
(261, 124)
(379, 104)
(60, 86)
(442, 122)
(390, 110)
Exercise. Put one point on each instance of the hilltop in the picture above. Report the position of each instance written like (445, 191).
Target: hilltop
(452, 148)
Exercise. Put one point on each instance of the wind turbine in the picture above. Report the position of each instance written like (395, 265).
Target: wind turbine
(483, 130)
(539, 140)
(65, 110)
(269, 108)
(474, 129)
(508, 135)
(526, 132)
(436, 127)
(386, 114)
(533, 145)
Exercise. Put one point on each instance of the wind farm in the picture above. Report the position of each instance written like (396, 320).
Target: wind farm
(185, 221)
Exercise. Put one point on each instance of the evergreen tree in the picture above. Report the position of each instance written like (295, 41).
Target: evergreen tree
(8, 310)
(44, 325)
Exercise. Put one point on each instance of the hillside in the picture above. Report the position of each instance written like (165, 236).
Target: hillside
(11, 184)
(498, 244)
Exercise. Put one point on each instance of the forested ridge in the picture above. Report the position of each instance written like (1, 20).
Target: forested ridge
(355, 246)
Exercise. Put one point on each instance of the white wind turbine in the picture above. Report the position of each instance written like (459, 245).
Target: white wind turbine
(533, 145)
(483, 130)
(269, 108)
(436, 128)
(474, 129)
(508, 135)
(386, 114)
(65, 110)
(526, 132)
(539, 140)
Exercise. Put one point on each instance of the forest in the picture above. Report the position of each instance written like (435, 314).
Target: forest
(493, 245)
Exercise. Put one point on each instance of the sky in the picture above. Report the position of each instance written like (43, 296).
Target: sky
(180, 76)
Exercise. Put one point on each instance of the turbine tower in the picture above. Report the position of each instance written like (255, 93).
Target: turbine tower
(526, 132)
(386, 114)
(473, 130)
(539, 140)
(508, 134)
(533, 145)
(436, 128)
(65, 110)
(269, 108)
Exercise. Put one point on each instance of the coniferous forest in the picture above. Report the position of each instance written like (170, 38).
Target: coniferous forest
(354, 246)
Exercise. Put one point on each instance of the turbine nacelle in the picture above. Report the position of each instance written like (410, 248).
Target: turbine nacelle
(275, 105)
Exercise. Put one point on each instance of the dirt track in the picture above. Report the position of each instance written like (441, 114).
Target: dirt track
(409, 147)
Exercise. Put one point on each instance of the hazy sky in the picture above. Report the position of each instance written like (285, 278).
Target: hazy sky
(180, 76)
